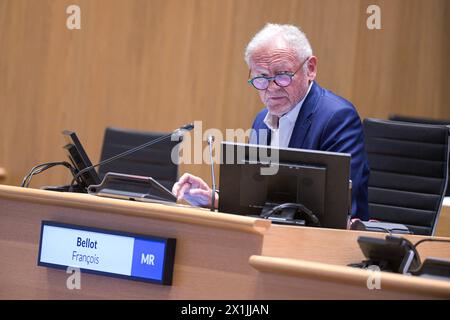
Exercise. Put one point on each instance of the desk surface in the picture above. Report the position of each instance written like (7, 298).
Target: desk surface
(219, 256)
(443, 225)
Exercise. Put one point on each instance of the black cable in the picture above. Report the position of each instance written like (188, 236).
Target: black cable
(27, 177)
(41, 168)
(37, 171)
(430, 239)
(46, 167)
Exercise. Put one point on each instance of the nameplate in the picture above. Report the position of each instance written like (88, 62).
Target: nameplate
(106, 252)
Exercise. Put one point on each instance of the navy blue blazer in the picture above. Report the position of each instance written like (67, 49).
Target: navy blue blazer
(328, 122)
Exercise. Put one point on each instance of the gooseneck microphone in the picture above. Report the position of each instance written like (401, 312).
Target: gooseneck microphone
(187, 127)
(213, 192)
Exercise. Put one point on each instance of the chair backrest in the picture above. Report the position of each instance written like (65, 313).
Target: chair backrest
(397, 117)
(408, 172)
(154, 161)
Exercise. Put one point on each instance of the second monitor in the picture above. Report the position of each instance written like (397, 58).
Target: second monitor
(255, 179)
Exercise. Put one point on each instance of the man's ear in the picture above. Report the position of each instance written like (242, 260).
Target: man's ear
(311, 68)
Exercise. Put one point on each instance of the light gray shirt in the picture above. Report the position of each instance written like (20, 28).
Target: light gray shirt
(281, 129)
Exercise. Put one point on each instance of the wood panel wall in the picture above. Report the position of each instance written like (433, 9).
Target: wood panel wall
(157, 64)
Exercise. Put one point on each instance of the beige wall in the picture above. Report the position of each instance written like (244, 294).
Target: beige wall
(156, 64)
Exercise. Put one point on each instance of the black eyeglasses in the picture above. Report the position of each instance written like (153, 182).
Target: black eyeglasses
(282, 80)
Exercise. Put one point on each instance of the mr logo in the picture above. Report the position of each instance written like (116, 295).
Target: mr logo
(74, 280)
(74, 20)
(148, 259)
(374, 20)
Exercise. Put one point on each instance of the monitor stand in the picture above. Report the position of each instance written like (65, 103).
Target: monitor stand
(65, 188)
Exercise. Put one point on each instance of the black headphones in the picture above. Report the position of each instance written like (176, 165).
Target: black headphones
(304, 213)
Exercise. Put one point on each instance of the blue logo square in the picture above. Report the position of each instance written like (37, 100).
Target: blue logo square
(148, 259)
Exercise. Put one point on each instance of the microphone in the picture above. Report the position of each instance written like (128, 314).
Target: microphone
(213, 192)
(186, 127)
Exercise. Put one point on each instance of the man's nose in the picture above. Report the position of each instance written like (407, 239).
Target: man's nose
(273, 86)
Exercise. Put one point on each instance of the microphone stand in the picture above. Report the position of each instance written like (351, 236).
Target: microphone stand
(213, 192)
(187, 127)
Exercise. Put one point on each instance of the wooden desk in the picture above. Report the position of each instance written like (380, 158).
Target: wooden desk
(443, 225)
(218, 256)
(288, 278)
(310, 263)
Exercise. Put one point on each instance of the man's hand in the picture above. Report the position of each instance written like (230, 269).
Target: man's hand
(194, 190)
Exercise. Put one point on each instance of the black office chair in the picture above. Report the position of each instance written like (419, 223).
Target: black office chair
(154, 161)
(408, 172)
(397, 117)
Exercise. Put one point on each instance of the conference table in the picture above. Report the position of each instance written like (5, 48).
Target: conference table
(443, 225)
(218, 255)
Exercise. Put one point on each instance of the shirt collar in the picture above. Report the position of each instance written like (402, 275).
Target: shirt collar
(272, 121)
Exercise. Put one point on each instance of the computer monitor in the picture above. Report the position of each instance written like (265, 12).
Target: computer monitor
(318, 180)
(80, 160)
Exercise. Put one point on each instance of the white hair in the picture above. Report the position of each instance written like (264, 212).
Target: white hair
(294, 37)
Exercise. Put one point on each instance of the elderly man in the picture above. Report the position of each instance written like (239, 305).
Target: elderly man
(298, 112)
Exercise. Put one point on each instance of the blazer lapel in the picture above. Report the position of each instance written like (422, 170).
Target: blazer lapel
(263, 132)
(303, 121)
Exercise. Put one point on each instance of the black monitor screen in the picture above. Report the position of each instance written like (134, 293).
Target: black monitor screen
(79, 159)
(316, 179)
(292, 184)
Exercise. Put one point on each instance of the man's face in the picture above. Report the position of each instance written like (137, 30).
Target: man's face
(274, 59)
